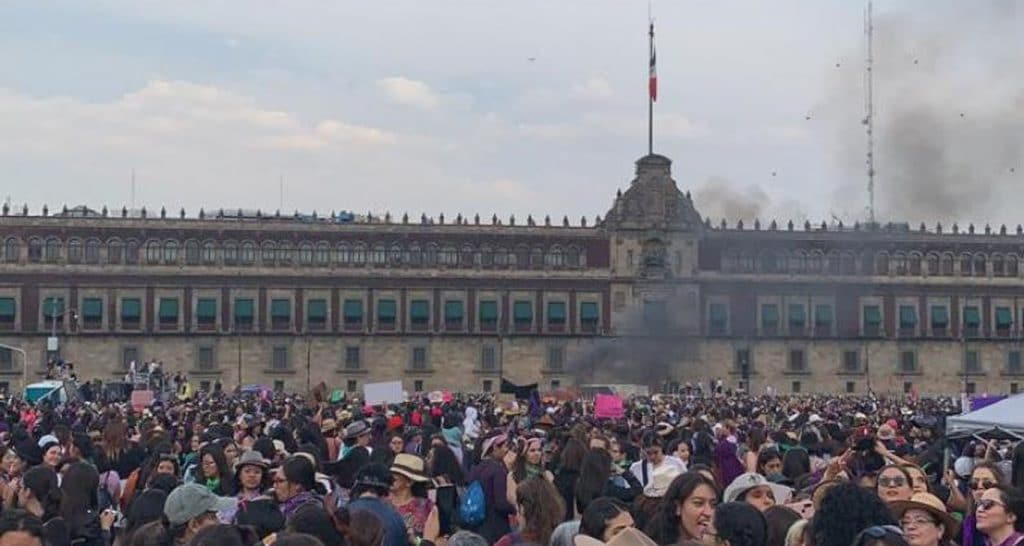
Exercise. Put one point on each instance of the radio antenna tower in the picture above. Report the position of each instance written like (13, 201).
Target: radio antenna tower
(869, 108)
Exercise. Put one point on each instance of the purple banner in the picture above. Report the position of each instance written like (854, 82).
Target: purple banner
(981, 401)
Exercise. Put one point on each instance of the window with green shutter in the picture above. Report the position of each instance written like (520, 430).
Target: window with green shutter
(131, 312)
(316, 314)
(206, 313)
(280, 313)
(556, 313)
(823, 316)
(1004, 318)
(419, 313)
(453, 313)
(387, 310)
(352, 313)
(769, 318)
(92, 313)
(168, 312)
(8, 309)
(53, 307)
(718, 318)
(589, 316)
(797, 318)
(940, 317)
(972, 320)
(244, 313)
(908, 317)
(488, 315)
(522, 314)
(872, 320)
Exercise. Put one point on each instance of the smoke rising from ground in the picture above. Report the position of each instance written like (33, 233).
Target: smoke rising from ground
(718, 198)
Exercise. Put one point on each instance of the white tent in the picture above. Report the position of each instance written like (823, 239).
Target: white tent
(1007, 415)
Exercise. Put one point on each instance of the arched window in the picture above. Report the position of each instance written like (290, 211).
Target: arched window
(849, 264)
(231, 256)
(268, 253)
(35, 250)
(998, 265)
(306, 254)
(12, 250)
(797, 262)
(899, 264)
(378, 255)
(835, 262)
(414, 256)
(74, 251)
(980, 263)
(522, 256)
(537, 257)
(815, 262)
(153, 252)
(965, 265)
(192, 252)
(359, 254)
(343, 254)
(572, 256)
(247, 253)
(430, 256)
(322, 256)
(1012, 267)
(555, 257)
(486, 256)
(947, 264)
(501, 256)
(915, 263)
(285, 253)
(466, 256)
(171, 252)
(209, 253)
(769, 262)
(92, 251)
(448, 256)
(52, 252)
(513, 258)
(395, 254)
(882, 263)
(933, 264)
(131, 251)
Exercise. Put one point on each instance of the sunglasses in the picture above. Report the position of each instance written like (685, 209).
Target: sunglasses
(988, 504)
(981, 484)
(898, 481)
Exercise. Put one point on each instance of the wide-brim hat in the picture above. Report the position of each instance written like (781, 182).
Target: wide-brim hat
(251, 458)
(931, 504)
(627, 537)
(410, 466)
(328, 425)
(750, 480)
(356, 429)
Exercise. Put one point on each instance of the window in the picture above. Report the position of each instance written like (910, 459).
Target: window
(851, 361)
(230, 253)
(204, 386)
(343, 254)
(797, 319)
(322, 254)
(280, 313)
(1013, 363)
(131, 251)
(74, 251)
(453, 315)
(352, 361)
(204, 359)
(655, 316)
(92, 313)
(556, 358)
(908, 362)
(908, 320)
(12, 250)
(8, 313)
(6, 359)
(872, 320)
(797, 361)
(796, 387)
(851, 387)
(1004, 320)
(744, 364)
(589, 316)
(823, 318)
(171, 252)
(247, 253)
(316, 314)
(279, 360)
(417, 385)
(285, 253)
(279, 386)
(153, 252)
(268, 253)
(351, 385)
(352, 314)
(907, 387)
(131, 313)
(489, 385)
(35, 250)
(209, 253)
(378, 256)
(1014, 388)
(206, 314)
(129, 355)
(972, 363)
(940, 320)
(555, 384)
(488, 358)
(419, 358)
(244, 313)
(972, 321)
(522, 315)
(386, 312)
(556, 316)
(168, 313)
(718, 319)
(970, 387)
(52, 251)
(306, 254)
(191, 253)
(488, 316)
(419, 314)
(769, 319)
(53, 312)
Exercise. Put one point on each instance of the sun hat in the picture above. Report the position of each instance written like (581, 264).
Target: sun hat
(192, 500)
(410, 466)
(328, 425)
(750, 480)
(492, 442)
(356, 429)
(629, 536)
(251, 458)
(931, 504)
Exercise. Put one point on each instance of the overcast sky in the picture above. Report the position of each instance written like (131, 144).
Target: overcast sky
(521, 107)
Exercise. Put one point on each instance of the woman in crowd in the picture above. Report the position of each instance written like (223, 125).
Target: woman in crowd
(529, 463)
(79, 506)
(449, 484)
(769, 463)
(570, 461)
(599, 477)
(39, 495)
(315, 521)
(21, 528)
(409, 497)
(754, 444)
(604, 518)
(739, 524)
(1000, 516)
(252, 476)
(984, 477)
(53, 453)
(213, 471)
(538, 506)
(779, 520)
(918, 478)
(756, 490)
(189, 509)
(295, 485)
(685, 511)
(147, 507)
(894, 484)
(924, 520)
(119, 453)
(845, 510)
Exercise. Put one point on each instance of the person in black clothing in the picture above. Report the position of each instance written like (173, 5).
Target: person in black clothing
(21, 528)
(570, 461)
(79, 506)
(599, 477)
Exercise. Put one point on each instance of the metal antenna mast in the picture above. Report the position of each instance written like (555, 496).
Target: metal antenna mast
(869, 107)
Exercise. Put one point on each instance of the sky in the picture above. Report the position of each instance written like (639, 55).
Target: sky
(527, 107)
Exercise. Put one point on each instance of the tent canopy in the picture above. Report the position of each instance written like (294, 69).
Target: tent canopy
(1006, 415)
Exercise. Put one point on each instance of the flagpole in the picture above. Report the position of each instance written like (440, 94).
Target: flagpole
(650, 102)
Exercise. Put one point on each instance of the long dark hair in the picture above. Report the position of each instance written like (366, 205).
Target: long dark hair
(223, 471)
(1017, 466)
(542, 508)
(79, 490)
(741, 524)
(594, 473)
(299, 471)
(664, 526)
(597, 515)
(443, 462)
(572, 455)
(42, 482)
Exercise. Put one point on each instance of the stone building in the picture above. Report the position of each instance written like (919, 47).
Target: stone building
(651, 293)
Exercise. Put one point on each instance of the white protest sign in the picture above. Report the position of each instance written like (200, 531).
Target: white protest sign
(386, 392)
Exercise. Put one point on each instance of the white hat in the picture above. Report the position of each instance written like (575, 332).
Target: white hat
(750, 480)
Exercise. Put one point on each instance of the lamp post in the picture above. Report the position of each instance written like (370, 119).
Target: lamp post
(53, 325)
(24, 362)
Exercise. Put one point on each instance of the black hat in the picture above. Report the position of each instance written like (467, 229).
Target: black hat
(374, 475)
(29, 451)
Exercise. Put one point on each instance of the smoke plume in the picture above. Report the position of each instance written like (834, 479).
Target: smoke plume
(719, 198)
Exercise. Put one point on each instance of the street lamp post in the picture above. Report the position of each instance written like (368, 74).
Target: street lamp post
(53, 323)
(24, 362)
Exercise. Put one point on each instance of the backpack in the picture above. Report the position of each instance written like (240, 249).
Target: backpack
(473, 508)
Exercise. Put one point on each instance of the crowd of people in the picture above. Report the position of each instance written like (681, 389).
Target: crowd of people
(718, 469)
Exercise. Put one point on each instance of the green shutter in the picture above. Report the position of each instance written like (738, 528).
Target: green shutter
(92, 308)
(244, 309)
(718, 315)
(281, 309)
(53, 306)
(556, 312)
(316, 310)
(419, 310)
(908, 316)
(823, 315)
(353, 310)
(168, 309)
(522, 312)
(386, 310)
(872, 315)
(1004, 317)
(206, 309)
(131, 309)
(453, 311)
(940, 316)
(972, 318)
(769, 315)
(7, 308)
(588, 311)
(488, 311)
(797, 315)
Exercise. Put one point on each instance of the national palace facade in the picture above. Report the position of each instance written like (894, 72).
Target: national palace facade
(459, 303)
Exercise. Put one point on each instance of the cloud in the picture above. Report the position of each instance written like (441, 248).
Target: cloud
(411, 93)
(615, 124)
(596, 88)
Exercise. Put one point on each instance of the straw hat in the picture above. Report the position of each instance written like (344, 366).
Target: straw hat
(931, 504)
(627, 537)
(410, 466)
(328, 425)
